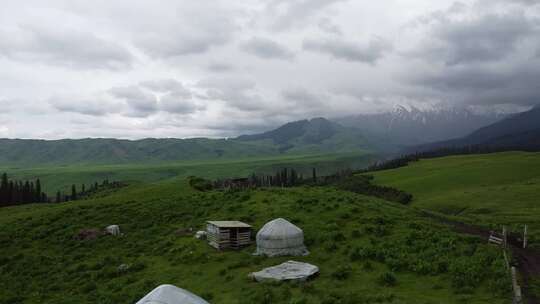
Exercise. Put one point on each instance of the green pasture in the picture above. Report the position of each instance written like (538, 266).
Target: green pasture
(368, 250)
(491, 189)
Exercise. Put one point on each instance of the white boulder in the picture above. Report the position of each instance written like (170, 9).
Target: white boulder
(288, 271)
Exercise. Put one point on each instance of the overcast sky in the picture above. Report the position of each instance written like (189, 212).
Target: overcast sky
(171, 68)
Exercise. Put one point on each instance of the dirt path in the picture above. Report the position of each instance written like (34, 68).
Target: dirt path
(528, 259)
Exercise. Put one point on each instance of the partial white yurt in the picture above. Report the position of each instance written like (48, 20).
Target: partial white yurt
(280, 237)
(170, 294)
(113, 230)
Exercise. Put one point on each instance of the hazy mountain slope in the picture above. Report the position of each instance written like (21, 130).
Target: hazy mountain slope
(519, 130)
(309, 136)
(403, 126)
(114, 151)
(318, 134)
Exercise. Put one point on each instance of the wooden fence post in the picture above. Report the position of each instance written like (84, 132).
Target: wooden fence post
(504, 236)
(516, 287)
(525, 237)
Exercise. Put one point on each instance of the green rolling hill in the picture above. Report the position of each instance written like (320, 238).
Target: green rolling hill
(491, 189)
(316, 136)
(368, 250)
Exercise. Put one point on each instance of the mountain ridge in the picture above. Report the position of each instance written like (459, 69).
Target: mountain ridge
(520, 130)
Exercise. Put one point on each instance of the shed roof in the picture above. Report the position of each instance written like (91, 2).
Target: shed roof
(229, 224)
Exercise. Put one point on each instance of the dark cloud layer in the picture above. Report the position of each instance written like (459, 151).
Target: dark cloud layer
(481, 57)
(209, 68)
(62, 46)
(344, 50)
(266, 49)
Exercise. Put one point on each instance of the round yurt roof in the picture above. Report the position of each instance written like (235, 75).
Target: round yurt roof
(170, 294)
(280, 237)
(279, 229)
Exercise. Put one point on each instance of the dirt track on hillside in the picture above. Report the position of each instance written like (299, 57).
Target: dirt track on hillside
(528, 259)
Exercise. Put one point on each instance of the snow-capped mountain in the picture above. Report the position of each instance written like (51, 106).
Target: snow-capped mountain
(409, 125)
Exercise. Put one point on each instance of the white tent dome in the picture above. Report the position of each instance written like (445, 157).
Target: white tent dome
(280, 237)
(170, 294)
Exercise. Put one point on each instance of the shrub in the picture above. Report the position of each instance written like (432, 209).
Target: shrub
(301, 300)
(342, 272)
(367, 266)
(200, 183)
(388, 279)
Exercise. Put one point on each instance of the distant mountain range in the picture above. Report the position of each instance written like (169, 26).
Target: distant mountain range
(308, 136)
(408, 126)
(302, 137)
(383, 133)
(519, 131)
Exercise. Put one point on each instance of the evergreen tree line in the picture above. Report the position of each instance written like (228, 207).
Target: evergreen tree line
(84, 192)
(286, 177)
(14, 192)
(404, 160)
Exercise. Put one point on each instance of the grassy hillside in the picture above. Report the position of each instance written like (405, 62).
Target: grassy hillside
(317, 136)
(489, 189)
(62, 177)
(368, 250)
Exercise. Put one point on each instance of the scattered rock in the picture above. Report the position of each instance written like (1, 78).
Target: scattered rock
(88, 234)
(184, 232)
(123, 268)
(201, 235)
(288, 271)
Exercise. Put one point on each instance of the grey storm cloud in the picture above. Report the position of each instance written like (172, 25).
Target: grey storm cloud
(486, 59)
(301, 96)
(184, 68)
(178, 104)
(344, 50)
(239, 93)
(491, 37)
(193, 28)
(291, 13)
(171, 86)
(62, 46)
(266, 49)
(86, 106)
(219, 67)
(141, 104)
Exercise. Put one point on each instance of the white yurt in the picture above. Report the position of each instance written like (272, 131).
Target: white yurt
(170, 294)
(280, 237)
(113, 230)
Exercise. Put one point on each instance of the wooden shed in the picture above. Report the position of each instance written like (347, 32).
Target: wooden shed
(228, 234)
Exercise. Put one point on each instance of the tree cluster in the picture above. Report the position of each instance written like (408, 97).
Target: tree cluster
(286, 177)
(13, 192)
(84, 191)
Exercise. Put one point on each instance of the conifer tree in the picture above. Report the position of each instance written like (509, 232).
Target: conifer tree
(38, 194)
(73, 192)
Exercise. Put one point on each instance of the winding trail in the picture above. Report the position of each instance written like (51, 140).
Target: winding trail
(528, 259)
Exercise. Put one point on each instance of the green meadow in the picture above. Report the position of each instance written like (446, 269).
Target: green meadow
(491, 189)
(54, 178)
(368, 250)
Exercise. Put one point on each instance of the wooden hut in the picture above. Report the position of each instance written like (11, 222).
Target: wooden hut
(228, 234)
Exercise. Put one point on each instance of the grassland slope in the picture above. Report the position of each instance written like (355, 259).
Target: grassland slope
(491, 189)
(368, 250)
